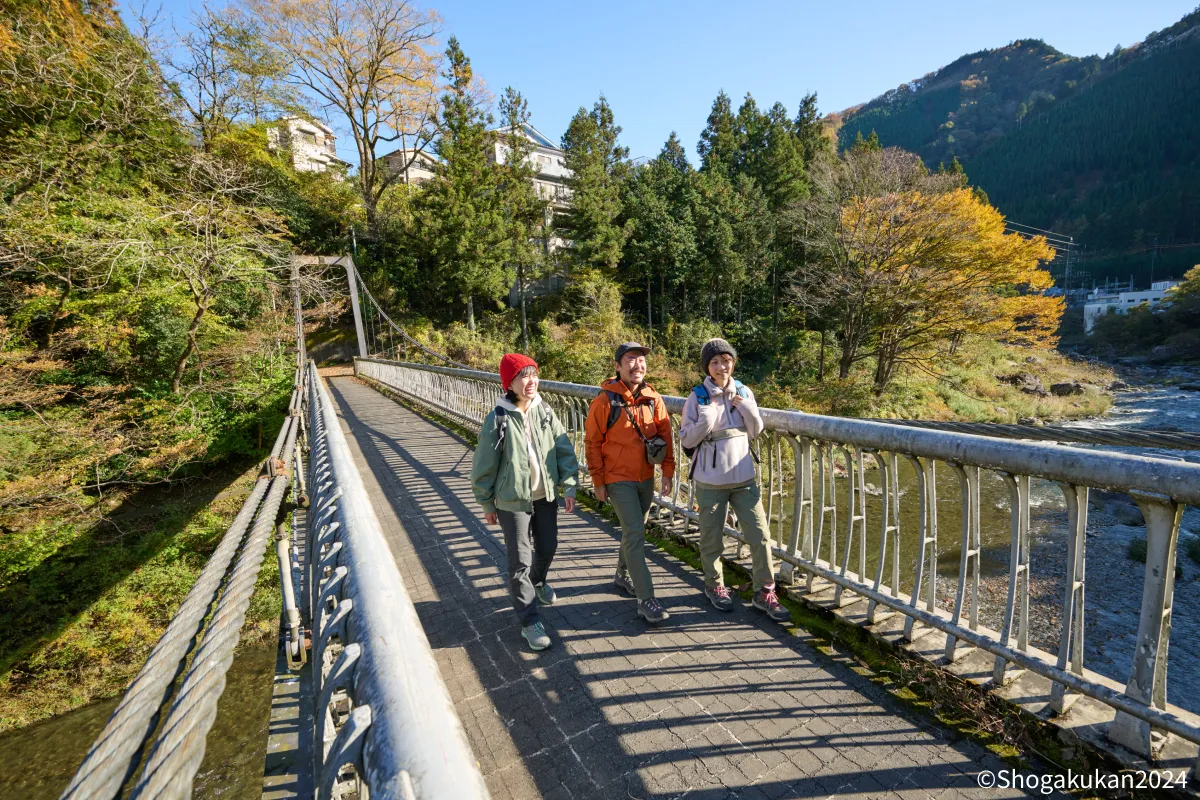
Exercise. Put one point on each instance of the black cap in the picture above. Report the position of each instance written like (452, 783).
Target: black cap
(628, 346)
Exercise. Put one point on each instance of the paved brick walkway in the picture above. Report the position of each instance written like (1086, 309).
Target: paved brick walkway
(707, 706)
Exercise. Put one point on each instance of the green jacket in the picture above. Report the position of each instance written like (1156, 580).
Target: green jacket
(501, 478)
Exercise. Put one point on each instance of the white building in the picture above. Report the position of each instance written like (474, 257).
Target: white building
(1101, 301)
(549, 161)
(412, 165)
(312, 144)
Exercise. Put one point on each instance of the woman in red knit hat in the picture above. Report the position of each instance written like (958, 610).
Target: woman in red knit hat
(523, 461)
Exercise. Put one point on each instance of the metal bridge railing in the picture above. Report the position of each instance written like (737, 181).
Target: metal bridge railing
(808, 460)
(382, 705)
(385, 725)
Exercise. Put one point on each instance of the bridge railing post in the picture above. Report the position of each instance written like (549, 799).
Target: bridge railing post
(843, 449)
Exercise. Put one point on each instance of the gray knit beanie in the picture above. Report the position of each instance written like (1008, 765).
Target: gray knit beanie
(713, 348)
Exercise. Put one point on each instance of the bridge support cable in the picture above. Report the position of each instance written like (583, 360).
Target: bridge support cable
(361, 297)
(1139, 718)
(113, 759)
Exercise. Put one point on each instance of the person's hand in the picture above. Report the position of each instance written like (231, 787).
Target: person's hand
(667, 485)
(491, 517)
(569, 504)
(736, 401)
(601, 492)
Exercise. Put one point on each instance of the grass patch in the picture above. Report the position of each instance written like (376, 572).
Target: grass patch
(1136, 551)
(1193, 549)
(83, 601)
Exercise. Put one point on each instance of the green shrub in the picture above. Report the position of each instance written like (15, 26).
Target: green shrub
(1137, 549)
(1193, 549)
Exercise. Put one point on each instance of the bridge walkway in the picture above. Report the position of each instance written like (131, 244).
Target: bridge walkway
(708, 705)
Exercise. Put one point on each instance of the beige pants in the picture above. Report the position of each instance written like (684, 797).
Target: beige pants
(746, 499)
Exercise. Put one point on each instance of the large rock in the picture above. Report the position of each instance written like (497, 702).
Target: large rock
(1025, 381)
(1066, 389)
(1118, 386)
(1190, 387)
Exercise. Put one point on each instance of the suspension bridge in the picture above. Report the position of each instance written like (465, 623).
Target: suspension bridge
(401, 673)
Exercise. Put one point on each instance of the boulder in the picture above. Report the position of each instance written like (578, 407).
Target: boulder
(1034, 360)
(1118, 386)
(1030, 421)
(1190, 387)
(1025, 381)
(1066, 389)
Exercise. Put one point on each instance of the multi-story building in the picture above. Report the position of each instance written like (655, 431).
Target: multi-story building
(549, 161)
(410, 165)
(312, 144)
(1102, 301)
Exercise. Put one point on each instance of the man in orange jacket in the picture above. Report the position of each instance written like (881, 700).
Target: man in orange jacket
(621, 472)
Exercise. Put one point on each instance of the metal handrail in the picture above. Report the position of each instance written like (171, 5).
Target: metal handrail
(382, 704)
(1160, 488)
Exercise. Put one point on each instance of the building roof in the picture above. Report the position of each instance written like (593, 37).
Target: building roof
(533, 134)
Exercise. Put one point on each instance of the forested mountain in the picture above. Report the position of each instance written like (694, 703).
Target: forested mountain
(1097, 148)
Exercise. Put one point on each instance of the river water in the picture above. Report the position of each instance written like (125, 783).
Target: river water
(37, 762)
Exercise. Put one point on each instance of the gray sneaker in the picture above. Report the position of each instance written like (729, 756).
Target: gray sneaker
(624, 583)
(767, 600)
(536, 635)
(720, 598)
(652, 611)
(545, 593)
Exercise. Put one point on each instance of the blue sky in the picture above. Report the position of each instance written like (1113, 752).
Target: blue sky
(661, 63)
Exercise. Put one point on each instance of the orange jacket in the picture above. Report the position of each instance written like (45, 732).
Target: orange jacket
(619, 454)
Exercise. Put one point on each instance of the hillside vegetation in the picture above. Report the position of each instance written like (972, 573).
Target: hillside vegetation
(1099, 148)
(145, 354)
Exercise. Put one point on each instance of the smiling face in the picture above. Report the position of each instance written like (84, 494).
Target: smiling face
(720, 369)
(632, 368)
(525, 384)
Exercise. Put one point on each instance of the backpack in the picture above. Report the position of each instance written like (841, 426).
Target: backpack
(502, 424)
(702, 398)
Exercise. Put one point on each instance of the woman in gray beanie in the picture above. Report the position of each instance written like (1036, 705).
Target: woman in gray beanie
(720, 418)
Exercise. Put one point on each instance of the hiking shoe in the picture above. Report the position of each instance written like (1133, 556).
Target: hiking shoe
(652, 611)
(536, 635)
(720, 598)
(545, 593)
(766, 600)
(625, 583)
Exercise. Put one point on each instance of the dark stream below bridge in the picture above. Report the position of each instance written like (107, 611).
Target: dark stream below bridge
(37, 762)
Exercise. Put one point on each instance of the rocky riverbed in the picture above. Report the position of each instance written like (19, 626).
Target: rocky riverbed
(1114, 579)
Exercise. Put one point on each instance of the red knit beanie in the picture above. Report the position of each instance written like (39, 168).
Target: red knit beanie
(511, 364)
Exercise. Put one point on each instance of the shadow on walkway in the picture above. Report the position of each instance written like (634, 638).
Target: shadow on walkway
(707, 705)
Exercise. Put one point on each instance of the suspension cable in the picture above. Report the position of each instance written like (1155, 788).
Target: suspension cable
(396, 328)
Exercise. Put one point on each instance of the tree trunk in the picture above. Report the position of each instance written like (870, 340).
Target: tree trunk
(190, 348)
(524, 319)
(649, 310)
(821, 367)
(662, 302)
(471, 314)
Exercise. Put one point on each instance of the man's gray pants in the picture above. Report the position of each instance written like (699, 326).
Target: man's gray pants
(631, 500)
(531, 540)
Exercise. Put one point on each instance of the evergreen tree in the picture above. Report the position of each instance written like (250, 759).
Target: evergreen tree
(524, 211)
(662, 241)
(719, 146)
(809, 130)
(460, 216)
(598, 164)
